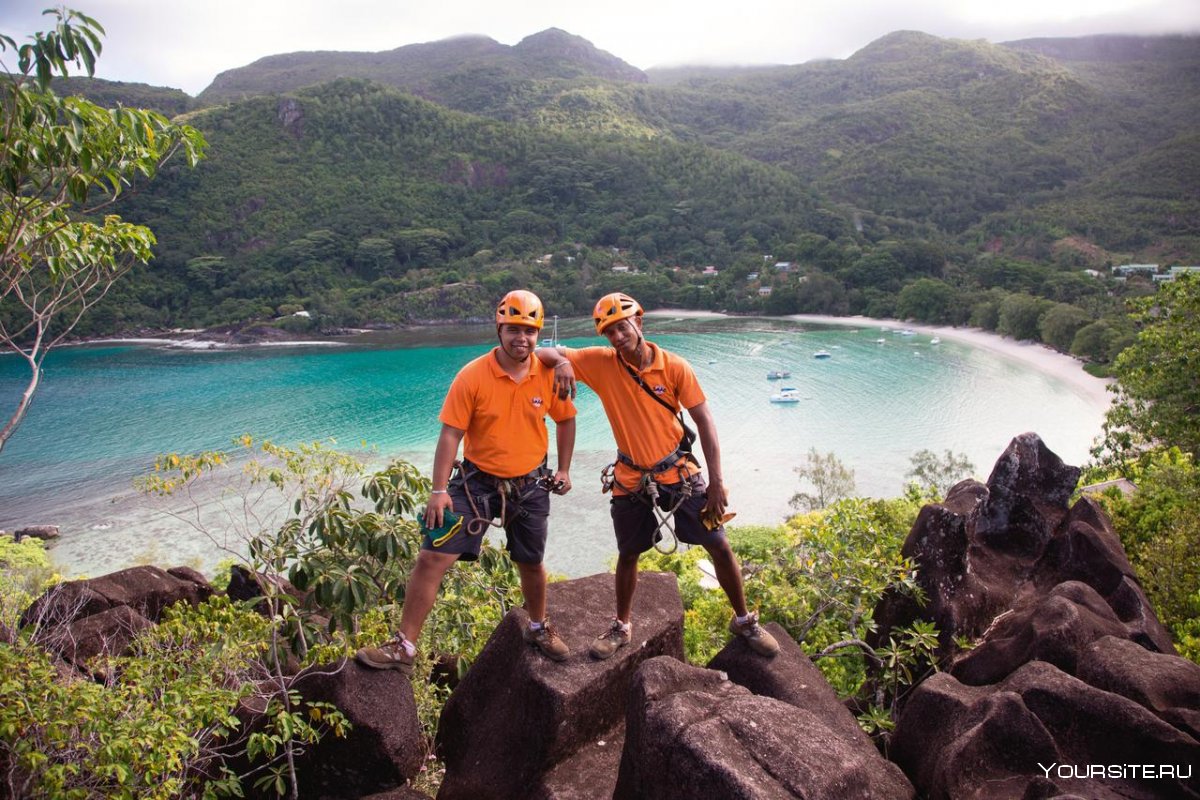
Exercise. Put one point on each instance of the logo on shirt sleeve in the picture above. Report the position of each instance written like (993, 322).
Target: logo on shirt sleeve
(537, 401)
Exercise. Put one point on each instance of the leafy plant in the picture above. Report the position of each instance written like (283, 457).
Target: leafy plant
(831, 481)
(62, 160)
(162, 721)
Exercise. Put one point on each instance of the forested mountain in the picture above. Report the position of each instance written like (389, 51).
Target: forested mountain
(982, 167)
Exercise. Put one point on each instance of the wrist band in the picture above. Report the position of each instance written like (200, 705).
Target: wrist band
(438, 491)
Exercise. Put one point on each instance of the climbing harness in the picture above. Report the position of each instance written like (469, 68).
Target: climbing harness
(647, 492)
(504, 487)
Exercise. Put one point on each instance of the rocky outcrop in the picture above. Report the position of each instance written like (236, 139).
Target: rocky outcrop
(1040, 733)
(992, 550)
(690, 732)
(43, 532)
(791, 677)
(147, 590)
(1072, 686)
(516, 716)
(384, 747)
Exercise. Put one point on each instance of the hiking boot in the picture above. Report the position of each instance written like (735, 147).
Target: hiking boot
(611, 640)
(389, 655)
(548, 641)
(759, 640)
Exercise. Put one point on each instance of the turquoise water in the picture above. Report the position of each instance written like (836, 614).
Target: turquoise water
(104, 412)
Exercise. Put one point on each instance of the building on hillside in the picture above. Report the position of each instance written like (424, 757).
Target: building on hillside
(783, 266)
(764, 291)
(710, 270)
(1125, 270)
(753, 276)
(1173, 273)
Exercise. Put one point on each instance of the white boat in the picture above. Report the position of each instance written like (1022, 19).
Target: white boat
(822, 354)
(935, 340)
(880, 340)
(778, 374)
(908, 332)
(553, 340)
(787, 394)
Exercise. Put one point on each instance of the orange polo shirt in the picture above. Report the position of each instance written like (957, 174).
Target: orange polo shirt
(504, 419)
(644, 430)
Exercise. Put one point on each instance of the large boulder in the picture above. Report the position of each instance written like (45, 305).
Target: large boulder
(791, 677)
(1055, 628)
(690, 733)
(516, 715)
(146, 590)
(990, 550)
(1040, 733)
(1166, 685)
(108, 633)
(384, 748)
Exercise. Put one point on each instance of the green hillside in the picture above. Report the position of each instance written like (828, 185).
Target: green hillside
(346, 195)
(938, 179)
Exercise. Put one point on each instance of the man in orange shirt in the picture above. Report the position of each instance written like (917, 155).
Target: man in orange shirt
(642, 388)
(496, 407)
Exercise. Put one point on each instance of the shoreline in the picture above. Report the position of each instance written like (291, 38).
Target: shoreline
(1032, 354)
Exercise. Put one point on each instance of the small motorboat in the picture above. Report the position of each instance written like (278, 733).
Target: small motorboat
(787, 394)
(822, 354)
(935, 340)
(778, 374)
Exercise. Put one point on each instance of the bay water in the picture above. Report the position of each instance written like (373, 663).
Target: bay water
(105, 411)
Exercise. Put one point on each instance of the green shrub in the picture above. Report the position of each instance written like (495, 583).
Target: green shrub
(820, 577)
(152, 730)
(1159, 527)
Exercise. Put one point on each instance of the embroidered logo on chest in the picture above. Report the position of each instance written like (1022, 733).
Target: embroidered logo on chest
(537, 402)
(660, 389)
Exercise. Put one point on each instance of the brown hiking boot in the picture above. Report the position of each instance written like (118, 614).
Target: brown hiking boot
(759, 640)
(548, 641)
(389, 655)
(611, 640)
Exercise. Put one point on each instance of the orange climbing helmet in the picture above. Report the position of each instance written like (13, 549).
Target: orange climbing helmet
(521, 307)
(614, 308)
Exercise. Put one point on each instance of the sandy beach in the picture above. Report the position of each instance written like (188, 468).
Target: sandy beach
(1038, 356)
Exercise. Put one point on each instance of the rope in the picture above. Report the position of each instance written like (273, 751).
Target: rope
(647, 492)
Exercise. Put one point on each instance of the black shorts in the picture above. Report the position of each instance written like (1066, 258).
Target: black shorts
(634, 521)
(526, 511)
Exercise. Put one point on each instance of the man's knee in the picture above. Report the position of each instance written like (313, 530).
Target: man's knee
(628, 560)
(720, 550)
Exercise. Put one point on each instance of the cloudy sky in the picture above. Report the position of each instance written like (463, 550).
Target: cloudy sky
(185, 43)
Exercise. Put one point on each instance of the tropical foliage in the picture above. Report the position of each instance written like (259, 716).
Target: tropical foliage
(820, 576)
(62, 161)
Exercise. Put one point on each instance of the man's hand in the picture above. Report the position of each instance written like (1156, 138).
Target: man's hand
(438, 504)
(561, 482)
(564, 380)
(717, 501)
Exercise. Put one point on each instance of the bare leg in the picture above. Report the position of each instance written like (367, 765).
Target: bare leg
(627, 576)
(729, 574)
(533, 586)
(422, 589)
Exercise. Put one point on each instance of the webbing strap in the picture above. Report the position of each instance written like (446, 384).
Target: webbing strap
(662, 466)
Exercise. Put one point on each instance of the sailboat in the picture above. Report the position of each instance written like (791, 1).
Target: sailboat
(552, 341)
